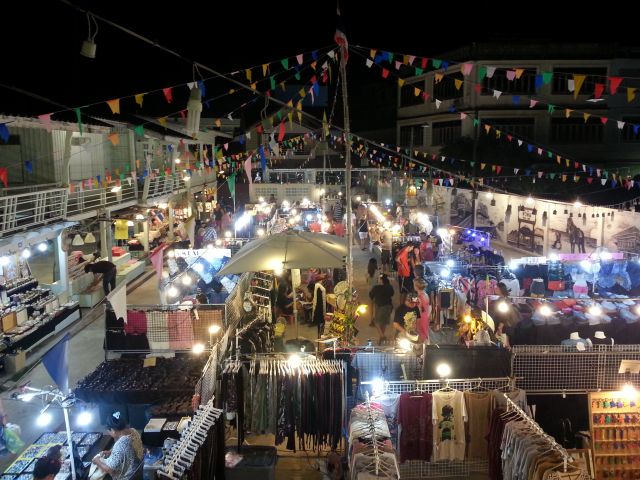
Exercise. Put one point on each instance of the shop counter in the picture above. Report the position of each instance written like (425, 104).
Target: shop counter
(89, 444)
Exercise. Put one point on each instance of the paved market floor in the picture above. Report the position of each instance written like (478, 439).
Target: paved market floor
(86, 352)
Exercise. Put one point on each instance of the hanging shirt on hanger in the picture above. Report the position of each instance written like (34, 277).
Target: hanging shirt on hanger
(449, 415)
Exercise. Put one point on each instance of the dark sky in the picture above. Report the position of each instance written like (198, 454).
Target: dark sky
(42, 39)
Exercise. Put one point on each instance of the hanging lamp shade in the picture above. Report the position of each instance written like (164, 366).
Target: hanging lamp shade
(194, 109)
(90, 238)
(77, 240)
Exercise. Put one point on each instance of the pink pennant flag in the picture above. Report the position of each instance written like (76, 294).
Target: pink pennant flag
(576, 165)
(247, 168)
(398, 64)
(168, 95)
(463, 115)
(299, 58)
(498, 169)
(614, 83)
(72, 188)
(226, 147)
(411, 59)
(532, 103)
(540, 174)
(539, 151)
(589, 180)
(598, 172)
(46, 121)
(509, 137)
(466, 69)
(511, 75)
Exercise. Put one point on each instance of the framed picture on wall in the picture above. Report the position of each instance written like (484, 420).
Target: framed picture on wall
(583, 459)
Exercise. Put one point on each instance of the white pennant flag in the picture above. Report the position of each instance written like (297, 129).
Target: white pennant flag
(570, 85)
(603, 181)
(325, 64)
(129, 180)
(584, 167)
(539, 151)
(118, 300)
(497, 93)
(533, 103)
(540, 174)
(442, 158)
(191, 85)
(438, 102)
(463, 115)
(248, 135)
(490, 71)
(369, 62)
(519, 143)
(440, 181)
(620, 125)
(630, 185)
(515, 171)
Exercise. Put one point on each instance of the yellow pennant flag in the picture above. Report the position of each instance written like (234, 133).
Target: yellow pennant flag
(325, 125)
(372, 53)
(248, 74)
(586, 116)
(282, 87)
(416, 91)
(482, 165)
(114, 138)
(493, 168)
(218, 123)
(313, 65)
(139, 98)
(458, 83)
(567, 112)
(302, 93)
(487, 128)
(163, 121)
(299, 108)
(438, 77)
(578, 80)
(290, 103)
(498, 133)
(400, 82)
(576, 178)
(232, 91)
(290, 115)
(564, 178)
(405, 59)
(567, 161)
(631, 94)
(265, 68)
(114, 105)
(519, 72)
(254, 86)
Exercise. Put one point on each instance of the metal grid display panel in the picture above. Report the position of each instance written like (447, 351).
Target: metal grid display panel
(387, 365)
(418, 469)
(234, 310)
(555, 368)
(457, 384)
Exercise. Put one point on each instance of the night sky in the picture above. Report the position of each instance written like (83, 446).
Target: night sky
(42, 39)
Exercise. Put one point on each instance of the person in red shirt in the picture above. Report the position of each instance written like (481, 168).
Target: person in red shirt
(338, 228)
(404, 271)
(426, 250)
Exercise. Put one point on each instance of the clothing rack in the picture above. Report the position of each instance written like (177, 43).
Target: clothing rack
(182, 455)
(566, 458)
(372, 429)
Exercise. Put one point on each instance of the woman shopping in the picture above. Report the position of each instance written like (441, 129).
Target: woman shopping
(123, 461)
(382, 296)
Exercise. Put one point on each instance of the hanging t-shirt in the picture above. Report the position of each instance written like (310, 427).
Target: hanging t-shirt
(449, 415)
(518, 396)
(478, 406)
(414, 418)
(390, 403)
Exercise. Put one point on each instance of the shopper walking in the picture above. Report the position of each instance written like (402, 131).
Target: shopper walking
(382, 296)
(372, 281)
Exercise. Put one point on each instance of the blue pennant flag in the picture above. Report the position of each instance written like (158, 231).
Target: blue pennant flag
(263, 160)
(241, 139)
(314, 54)
(201, 87)
(56, 361)
(445, 65)
(539, 81)
(4, 132)
(28, 166)
(516, 99)
(530, 148)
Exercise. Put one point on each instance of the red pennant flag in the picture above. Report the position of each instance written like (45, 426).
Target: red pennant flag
(4, 176)
(614, 83)
(385, 73)
(168, 95)
(576, 165)
(423, 64)
(281, 132)
(589, 180)
(478, 88)
(498, 169)
(598, 90)
(259, 129)
(509, 137)
(604, 120)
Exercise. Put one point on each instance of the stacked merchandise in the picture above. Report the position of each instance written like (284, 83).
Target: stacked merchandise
(89, 444)
(371, 453)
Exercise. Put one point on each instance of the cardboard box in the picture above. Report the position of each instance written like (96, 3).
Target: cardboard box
(15, 363)
(9, 321)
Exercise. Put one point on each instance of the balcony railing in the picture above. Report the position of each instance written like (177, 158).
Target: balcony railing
(85, 201)
(28, 210)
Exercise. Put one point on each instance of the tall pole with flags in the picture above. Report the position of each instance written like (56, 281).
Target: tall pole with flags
(341, 39)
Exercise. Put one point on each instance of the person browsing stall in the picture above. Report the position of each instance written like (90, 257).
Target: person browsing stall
(107, 270)
(405, 317)
(47, 467)
(124, 458)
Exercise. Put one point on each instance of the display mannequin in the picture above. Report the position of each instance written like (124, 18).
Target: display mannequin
(574, 340)
(599, 338)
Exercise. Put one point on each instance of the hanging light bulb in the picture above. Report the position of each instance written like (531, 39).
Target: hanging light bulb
(173, 291)
(186, 280)
(194, 109)
(26, 253)
(42, 247)
(503, 307)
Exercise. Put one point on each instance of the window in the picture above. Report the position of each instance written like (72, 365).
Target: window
(446, 88)
(443, 133)
(525, 85)
(575, 130)
(628, 134)
(562, 75)
(411, 136)
(408, 97)
(521, 127)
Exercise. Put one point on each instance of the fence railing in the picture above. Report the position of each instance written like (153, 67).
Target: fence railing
(5, 192)
(110, 195)
(29, 210)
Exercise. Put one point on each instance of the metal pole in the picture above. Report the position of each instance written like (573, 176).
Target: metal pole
(347, 176)
(65, 410)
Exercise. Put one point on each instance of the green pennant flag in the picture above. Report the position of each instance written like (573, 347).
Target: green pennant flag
(279, 115)
(473, 164)
(551, 108)
(546, 77)
(549, 154)
(79, 118)
(297, 76)
(272, 79)
(126, 167)
(162, 172)
(122, 176)
(436, 63)
(476, 122)
(552, 176)
(285, 63)
(231, 181)
(482, 72)
(139, 130)
(419, 71)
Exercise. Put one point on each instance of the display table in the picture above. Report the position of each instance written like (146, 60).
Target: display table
(89, 444)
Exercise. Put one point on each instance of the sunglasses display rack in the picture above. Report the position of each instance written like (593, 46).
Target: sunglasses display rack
(614, 420)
